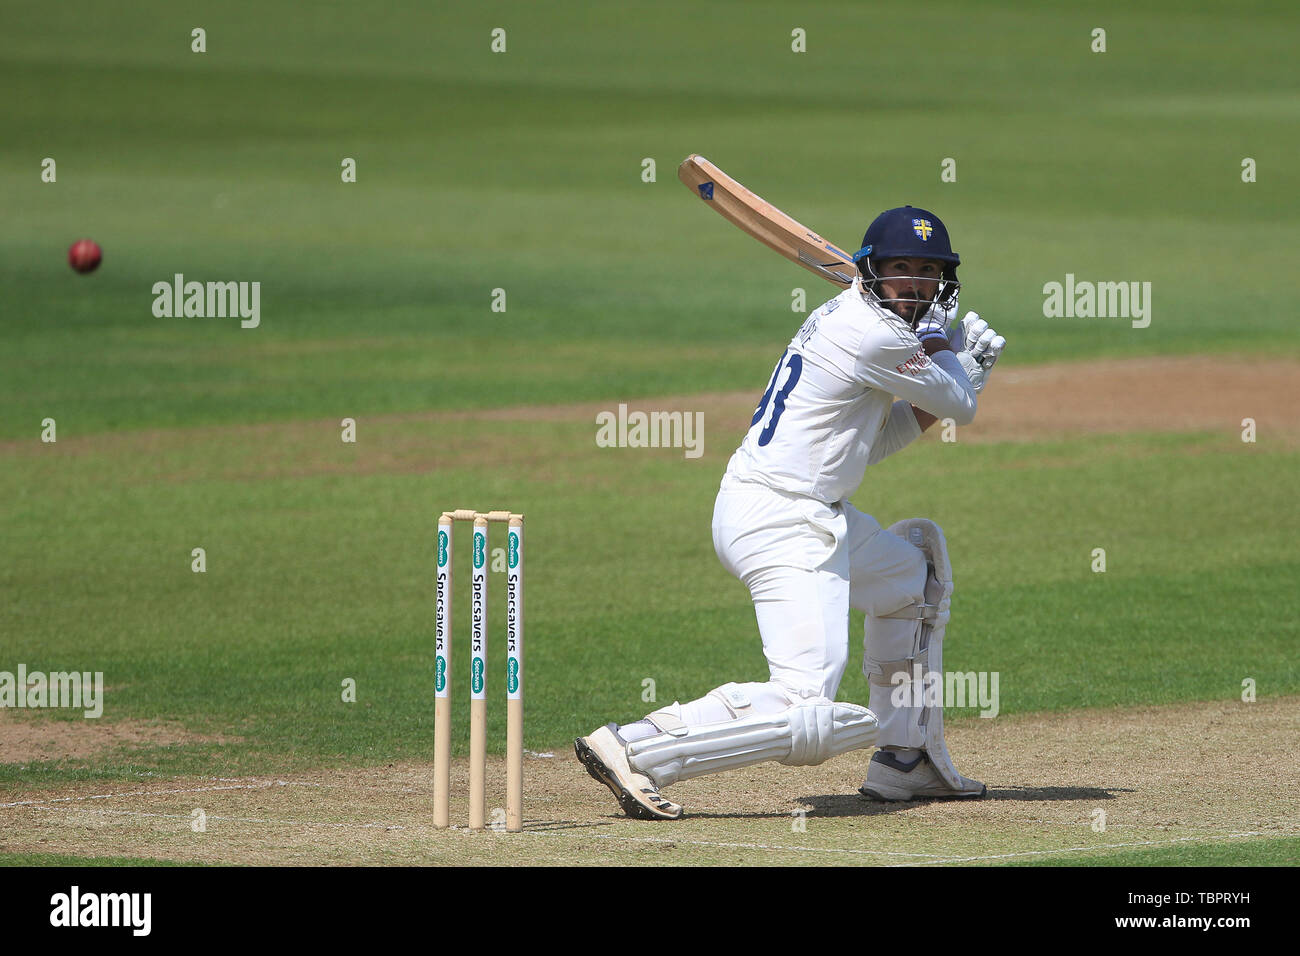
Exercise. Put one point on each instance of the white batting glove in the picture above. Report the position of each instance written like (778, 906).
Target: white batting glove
(930, 325)
(937, 319)
(978, 347)
(946, 312)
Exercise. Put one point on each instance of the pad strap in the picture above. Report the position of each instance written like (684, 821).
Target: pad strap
(892, 669)
(668, 722)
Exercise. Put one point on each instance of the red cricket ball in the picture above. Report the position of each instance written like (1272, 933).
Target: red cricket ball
(84, 255)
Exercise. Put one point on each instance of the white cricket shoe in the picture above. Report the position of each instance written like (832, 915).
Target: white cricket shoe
(604, 754)
(889, 778)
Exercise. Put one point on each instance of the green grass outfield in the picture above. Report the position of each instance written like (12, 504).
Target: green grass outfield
(318, 578)
(1265, 852)
(522, 171)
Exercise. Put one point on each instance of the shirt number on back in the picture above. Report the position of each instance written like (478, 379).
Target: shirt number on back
(792, 364)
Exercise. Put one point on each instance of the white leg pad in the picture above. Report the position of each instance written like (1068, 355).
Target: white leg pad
(722, 703)
(893, 656)
(903, 648)
(807, 733)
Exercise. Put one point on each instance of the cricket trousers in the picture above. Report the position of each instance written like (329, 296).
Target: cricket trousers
(805, 564)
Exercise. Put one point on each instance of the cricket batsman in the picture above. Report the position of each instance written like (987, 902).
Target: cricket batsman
(866, 374)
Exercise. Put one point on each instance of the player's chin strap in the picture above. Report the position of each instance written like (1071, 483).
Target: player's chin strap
(904, 660)
(943, 305)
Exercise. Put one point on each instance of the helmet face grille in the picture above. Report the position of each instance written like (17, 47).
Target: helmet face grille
(945, 294)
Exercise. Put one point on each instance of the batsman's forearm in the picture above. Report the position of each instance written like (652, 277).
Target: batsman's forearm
(931, 344)
(935, 342)
(947, 393)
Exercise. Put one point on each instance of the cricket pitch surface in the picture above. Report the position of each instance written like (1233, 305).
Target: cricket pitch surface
(1088, 783)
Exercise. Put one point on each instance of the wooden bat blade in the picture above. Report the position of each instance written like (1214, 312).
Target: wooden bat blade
(766, 223)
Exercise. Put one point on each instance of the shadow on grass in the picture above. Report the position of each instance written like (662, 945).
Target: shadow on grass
(856, 805)
(848, 805)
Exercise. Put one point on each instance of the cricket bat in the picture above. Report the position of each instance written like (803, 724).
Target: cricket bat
(766, 223)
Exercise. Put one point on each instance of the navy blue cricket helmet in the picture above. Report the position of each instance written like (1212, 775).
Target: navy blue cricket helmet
(909, 232)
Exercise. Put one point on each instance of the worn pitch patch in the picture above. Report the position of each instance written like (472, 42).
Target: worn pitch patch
(33, 736)
(1055, 400)
(1162, 776)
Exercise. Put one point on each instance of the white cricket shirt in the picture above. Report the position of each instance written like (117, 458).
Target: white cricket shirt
(829, 408)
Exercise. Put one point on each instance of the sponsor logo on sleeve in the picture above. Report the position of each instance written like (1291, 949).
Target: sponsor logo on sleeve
(916, 363)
